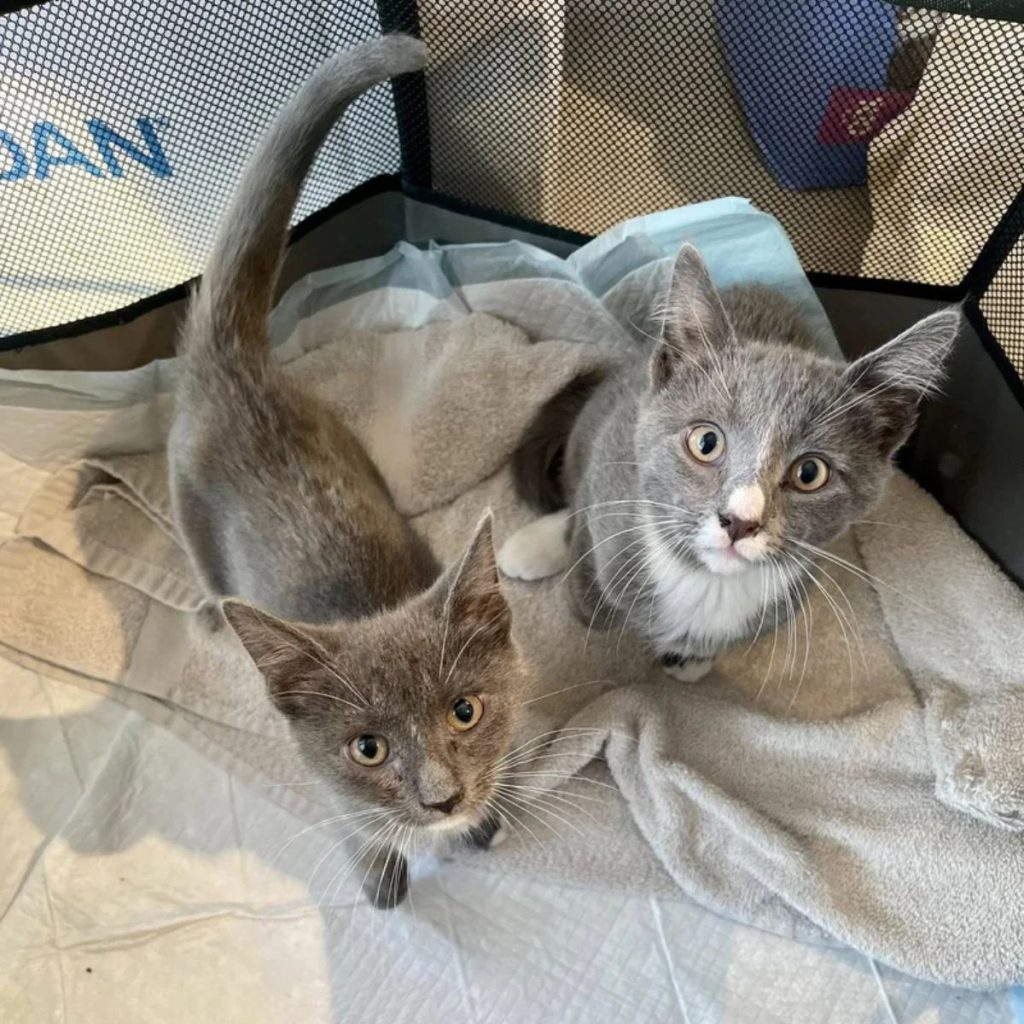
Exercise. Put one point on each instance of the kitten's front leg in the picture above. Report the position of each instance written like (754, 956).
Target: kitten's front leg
(209, 615)
(386, 877)
(487, 834)
(685, 667)
(539, 550)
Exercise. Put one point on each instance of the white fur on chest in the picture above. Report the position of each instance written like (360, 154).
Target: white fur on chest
(705, 605)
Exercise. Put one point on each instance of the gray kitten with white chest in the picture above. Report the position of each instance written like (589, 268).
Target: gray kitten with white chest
(402, 683)
(702, 479)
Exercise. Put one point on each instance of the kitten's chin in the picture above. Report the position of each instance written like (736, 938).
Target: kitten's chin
(725, 562)
(463, 821)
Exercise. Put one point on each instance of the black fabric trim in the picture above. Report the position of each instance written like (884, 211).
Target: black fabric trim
(367, 190)
(74, 328)
(889, 286)
(13, 6)
(394, 183)
(508, 220)
(375, 186)
(994, 10)
(410, 93)
(995, 351)
(997, 247)
(905, 461)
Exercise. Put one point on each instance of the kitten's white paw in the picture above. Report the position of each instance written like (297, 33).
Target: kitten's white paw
(538, 550)
(689, 671)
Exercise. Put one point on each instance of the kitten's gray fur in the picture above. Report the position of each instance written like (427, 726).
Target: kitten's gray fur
(344, 608)
(645, 541)
(253, 456)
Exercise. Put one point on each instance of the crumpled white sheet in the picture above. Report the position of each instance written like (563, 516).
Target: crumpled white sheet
(140, 883)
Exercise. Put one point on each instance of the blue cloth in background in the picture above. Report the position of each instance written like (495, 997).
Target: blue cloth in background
(786, 57)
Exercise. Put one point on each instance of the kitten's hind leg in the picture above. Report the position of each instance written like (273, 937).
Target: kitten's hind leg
(386, 878)
(538, 550)
(197, 523)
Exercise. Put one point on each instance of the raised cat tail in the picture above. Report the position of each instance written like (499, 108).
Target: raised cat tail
(227, 320)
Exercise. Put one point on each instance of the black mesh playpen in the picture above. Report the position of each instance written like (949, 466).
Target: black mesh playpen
(886, 138)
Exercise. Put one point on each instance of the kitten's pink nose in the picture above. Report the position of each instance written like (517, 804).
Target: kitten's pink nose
(738, 528)
(447, 806)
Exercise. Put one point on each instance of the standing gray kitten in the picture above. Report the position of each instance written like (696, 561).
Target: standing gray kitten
(702, 479)
(402, 684)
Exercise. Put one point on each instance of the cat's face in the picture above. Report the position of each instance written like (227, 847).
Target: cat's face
(409, 710)
(752, 451)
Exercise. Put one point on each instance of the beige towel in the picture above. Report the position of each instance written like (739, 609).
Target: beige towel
(867, 791)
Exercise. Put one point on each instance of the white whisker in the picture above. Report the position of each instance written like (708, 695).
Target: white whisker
(566, 689)
(318, 693)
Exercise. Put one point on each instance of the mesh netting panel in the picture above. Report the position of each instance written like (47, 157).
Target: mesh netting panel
(123, 127)
(886, 139)
(1003, 307)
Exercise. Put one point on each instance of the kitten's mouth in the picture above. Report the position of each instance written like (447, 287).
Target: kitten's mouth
(726, 561)
(461, 821)
(466, 817)
(726, 555)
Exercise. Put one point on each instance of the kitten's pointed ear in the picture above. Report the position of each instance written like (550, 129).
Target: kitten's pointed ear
(892, 380)
(289, 658)
(695, 319)
(475, 598)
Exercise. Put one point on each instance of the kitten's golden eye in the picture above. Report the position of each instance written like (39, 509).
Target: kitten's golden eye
(465, 712)
(369, 751)
(809, 473)
(705, 442)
